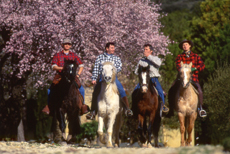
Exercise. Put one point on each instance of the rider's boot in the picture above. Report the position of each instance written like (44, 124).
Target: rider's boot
(94, 107)
(201, 111)
(165, 108)
(128, 111)
(46, 110)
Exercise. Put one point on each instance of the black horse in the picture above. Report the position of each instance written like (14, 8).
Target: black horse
(145, 103)
(64, 99)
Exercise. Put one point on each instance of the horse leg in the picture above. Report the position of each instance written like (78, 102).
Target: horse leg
(182, 127)
(190, 128)
(151, 120)
(156, 128)
(140, 129)
(117, 127)
(100, 129)
(110, 123)
(60, 117)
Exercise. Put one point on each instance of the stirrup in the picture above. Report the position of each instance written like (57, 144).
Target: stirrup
(165, 109)
(128, 113)
(202, 115)
(91, 115)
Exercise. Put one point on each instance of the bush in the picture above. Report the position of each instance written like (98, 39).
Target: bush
(88, 130)
(216, 99)
(226, 144)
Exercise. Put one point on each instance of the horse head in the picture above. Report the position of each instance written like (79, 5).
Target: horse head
(144, 78)
(69, 70)
(185, 74)
(108, 72)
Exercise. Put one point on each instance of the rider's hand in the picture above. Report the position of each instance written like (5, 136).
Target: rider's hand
(94, 82)
(194, 69)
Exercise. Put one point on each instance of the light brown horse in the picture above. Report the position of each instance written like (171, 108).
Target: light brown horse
(186, 106)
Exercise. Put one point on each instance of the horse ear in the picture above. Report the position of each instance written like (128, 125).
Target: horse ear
(190, 64)
(181, 63)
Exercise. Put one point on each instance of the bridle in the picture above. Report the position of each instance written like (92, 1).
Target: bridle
(70, 72)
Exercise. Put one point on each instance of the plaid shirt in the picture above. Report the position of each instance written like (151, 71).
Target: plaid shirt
(59, 57)
(196, 62)
(105, 58)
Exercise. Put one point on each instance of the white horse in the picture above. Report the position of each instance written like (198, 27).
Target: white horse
(109, 111)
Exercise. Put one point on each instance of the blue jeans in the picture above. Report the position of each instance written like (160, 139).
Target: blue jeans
(158, 87)
(81, 90)
(119, 87)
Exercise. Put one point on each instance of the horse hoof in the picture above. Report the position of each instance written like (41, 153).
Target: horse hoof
(149, 145)
(144, 145)
(116, 145)
(69, 137)
(109, 145)
(102, 138)
(64, 136)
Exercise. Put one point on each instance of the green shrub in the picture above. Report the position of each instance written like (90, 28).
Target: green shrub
(216, 99)
(226, 144)
(88, 130)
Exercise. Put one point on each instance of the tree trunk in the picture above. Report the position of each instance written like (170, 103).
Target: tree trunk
(21, 136)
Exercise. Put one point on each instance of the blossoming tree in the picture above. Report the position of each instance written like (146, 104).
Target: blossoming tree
(35, 29)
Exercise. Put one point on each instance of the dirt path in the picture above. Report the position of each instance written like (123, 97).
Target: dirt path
(38, 148)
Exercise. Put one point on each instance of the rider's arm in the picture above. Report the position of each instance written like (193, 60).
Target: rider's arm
(96, 69)
(80, 71)
(55, 63)
(118, 64)
(155, 60)
(178, 60)
(200, 64)
(56, 68)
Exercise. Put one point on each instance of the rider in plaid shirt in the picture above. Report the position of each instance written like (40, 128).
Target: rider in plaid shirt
(110, 57)
(197, 66)
(103, 58)
(196, 63)
(58, 63)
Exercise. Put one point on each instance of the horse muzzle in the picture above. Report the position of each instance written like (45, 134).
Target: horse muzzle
(107, 79)
(144, 89)
(185, 85)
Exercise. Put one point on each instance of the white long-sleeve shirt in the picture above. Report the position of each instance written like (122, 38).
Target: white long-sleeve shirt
(154, 63)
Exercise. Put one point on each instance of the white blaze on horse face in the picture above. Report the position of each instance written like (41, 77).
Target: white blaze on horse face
(71, 68)
(144, 82)
(186, 76)
(107, 73)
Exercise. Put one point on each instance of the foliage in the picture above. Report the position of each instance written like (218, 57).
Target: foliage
(226, 144)
(216, 98)
(37, 28)
(176, 24)
(88, 130)
(38, 124)
(32, 31)
(209, 32)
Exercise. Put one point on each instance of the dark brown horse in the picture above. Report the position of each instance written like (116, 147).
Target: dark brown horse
(64, 99)
(145, 104)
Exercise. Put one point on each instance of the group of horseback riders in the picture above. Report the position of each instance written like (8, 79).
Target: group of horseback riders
(153, 61)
